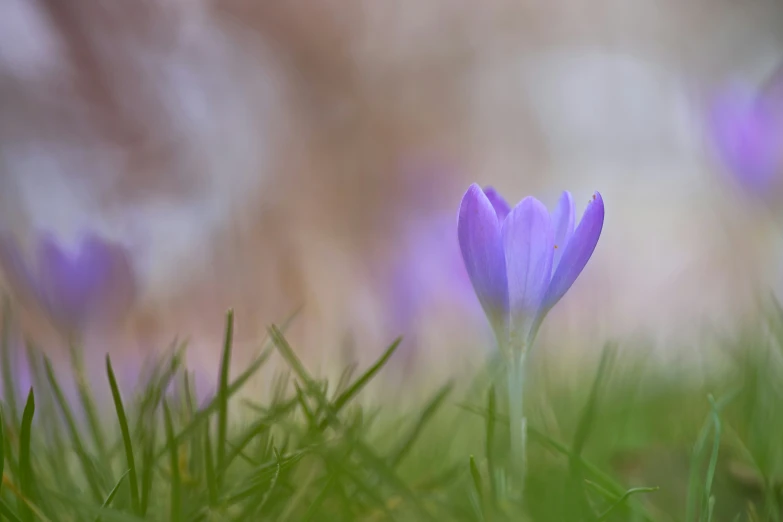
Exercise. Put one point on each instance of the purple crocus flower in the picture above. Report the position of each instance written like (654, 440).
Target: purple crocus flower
(93, 284)
(747, 129)
(522, 261)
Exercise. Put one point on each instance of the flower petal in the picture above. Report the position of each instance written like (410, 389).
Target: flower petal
(563, 223)
(528, 241)
(578, 252)
(480, 241)
(498, 203)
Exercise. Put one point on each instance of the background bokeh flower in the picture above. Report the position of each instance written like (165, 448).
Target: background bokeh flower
(427, 273)
(93, 284)
(747, 129)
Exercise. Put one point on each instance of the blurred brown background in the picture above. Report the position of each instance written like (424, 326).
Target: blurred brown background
(271, 155)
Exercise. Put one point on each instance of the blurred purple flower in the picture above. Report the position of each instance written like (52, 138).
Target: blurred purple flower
(522, 261)
(747, 129)
(94, 284)
(428, 271)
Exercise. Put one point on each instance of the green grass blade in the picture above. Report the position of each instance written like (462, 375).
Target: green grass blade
(209, 467)
(475, 474)
(5, 510)
(252, 432)
(222, 395)
(696, 462)
(596, 474)
(344, 381)
(87, 465)
(88, 403)
(26, 480)
(9, 388)
(695, 465)
(126, 438)
(589, 411)
(353, 390)
(432, 406)
(583, 431)
(47, 413)
(2, 449)
(196, 446)
(379, 465)
(235, 386)
(309, 416)
(214, 405)
(633, 491)
(359, 482)
(272, 484)
(263, 473)
(176, 481)
(709, 500)
(159, 382)
(313, 509)
(112, 494)
(8, 451)
(489, 442)
(148, 460)
(88, 509)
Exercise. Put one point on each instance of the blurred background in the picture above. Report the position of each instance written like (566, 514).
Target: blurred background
(311, 156)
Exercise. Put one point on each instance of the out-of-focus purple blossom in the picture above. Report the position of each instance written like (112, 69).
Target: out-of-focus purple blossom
(428, 270)
(95, 284)
(522, 261)
(422, 278)
(747, 130)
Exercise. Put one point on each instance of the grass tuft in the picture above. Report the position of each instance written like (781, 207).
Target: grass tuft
(621, 443)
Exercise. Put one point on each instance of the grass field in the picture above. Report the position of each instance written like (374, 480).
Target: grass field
(623, 439)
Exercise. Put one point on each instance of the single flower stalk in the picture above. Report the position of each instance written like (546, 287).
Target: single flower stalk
(521, 262)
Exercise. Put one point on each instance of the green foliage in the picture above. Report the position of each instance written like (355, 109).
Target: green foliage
(617, 441)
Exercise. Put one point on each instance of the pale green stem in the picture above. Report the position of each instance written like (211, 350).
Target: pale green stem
(517, 421)
(517, 352)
